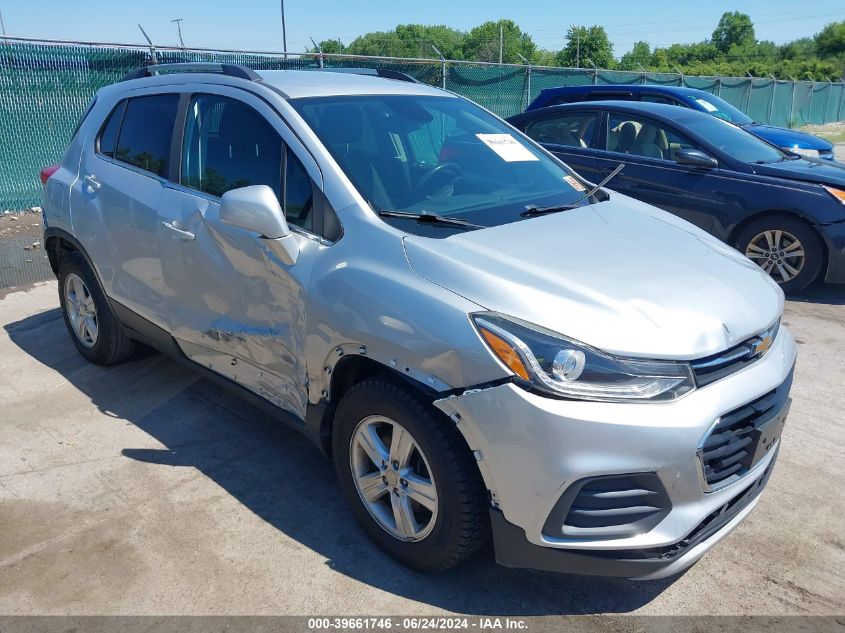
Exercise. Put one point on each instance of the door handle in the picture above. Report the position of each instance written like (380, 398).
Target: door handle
(91, 181)
(179, 233)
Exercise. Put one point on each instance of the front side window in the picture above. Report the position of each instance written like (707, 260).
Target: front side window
(227, 145)
(146, 132)
(630, 134)
(573, 129)
(734, 141)
(437, 155)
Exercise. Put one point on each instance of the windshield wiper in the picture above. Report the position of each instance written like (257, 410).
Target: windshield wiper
(430, 218)
(531, 210)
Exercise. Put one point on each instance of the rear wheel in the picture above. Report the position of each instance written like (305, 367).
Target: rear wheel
(411, 480)
(786, 248)
(88, 317)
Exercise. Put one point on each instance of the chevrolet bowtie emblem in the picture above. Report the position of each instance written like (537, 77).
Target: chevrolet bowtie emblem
(758, 348)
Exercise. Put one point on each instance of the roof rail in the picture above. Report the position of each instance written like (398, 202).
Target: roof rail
(230, 70)
(386, 73)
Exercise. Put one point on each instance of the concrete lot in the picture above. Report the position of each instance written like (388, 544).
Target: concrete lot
(140, 489)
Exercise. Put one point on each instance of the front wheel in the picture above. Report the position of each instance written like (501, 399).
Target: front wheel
(411, 480)
(786, 248)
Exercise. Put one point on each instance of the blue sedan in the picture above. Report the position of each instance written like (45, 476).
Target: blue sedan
(783, 211)
(790, 140)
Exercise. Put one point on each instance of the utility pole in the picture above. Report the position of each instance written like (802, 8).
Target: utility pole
(284, 31)
(501, 41)
(179, 28)
(2, 25)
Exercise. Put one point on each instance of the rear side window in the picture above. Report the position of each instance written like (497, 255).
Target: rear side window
(144, 137)
(229, 145)
(572, 129)
(107, 142)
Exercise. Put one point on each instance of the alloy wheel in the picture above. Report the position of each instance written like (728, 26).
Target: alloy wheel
(81, 311)
(393, 478)
(778, 253)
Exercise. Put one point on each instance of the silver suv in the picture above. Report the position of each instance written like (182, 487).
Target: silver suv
(484, 342)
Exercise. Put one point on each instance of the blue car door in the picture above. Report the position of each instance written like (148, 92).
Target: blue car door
(569, 135)
(651, 173)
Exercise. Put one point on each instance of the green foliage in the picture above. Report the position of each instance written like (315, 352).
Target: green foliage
(734, 29)
(482, 43)
(733, 49)
(582, 44)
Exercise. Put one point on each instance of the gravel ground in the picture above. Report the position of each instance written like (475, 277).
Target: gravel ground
(141, 489)
(22, 257)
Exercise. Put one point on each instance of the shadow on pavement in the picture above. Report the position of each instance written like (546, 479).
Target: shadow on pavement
(830, 294)
(283, 479)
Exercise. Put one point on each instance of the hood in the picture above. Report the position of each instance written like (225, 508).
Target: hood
(620, 275)
(783, 137)
(825, 172)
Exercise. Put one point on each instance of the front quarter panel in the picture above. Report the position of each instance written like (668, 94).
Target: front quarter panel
(364, 297)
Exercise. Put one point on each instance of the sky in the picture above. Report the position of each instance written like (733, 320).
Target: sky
(256, 24)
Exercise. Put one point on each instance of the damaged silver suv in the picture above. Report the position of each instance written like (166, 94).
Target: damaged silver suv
(484, 342)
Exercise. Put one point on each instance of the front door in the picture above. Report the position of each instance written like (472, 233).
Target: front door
(570, 136)
(122, 177)
(234, 307)
(647, 148)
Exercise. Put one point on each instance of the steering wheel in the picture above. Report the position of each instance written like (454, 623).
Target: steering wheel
(445, 172)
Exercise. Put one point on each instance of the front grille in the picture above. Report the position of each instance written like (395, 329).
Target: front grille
(613, 506)
(728, 451)
(717, 366)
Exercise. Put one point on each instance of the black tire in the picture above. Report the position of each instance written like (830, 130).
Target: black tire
(112, 345)
(810, 242)
(462, 523)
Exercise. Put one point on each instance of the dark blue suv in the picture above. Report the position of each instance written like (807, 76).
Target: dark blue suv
(790, 140)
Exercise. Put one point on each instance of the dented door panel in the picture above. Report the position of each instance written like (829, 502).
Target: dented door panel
(237, 309)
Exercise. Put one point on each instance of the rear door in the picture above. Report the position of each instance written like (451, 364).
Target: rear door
(123, 173)
(570, 135)
(651, 174)
(234, 307)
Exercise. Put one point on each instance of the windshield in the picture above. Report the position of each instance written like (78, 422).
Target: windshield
(437, 155)
(718, 107)
(734, 141)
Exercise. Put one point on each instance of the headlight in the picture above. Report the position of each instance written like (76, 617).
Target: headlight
(812, 153)
(560, 366)
(839, 194)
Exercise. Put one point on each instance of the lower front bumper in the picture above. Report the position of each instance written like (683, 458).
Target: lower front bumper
(514, 550)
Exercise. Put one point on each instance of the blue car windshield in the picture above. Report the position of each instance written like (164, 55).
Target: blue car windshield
(437, 155)
(718, 107)
(734, 141)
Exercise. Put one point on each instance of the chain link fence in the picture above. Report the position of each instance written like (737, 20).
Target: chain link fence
(45, 87)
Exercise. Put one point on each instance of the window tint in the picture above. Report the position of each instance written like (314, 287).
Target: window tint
(629, 134)
(146, 131)
(574, 129)
(735, 141)
(298, 193)
(229, 145)
(108, 135)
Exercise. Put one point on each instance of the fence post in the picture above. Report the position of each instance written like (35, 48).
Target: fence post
(810, 104)
(771, 99)
(719, 86)
(527, 82)
(827, 103)
(792, 102)
(442, 67)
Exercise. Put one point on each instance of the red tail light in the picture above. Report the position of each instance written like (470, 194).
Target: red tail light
(47, 172)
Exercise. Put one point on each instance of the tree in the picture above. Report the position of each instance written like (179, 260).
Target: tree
(331, 46)
(409, 40)
(734, 29)
(639, 55)
(584, 43)
(482, 43)
(831, 41)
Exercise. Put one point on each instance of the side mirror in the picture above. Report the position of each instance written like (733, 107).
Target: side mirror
(256, 208)
(695, 158)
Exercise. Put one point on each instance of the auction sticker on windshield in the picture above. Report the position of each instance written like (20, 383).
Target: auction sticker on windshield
(706, 105)
(507, 147)
(573, 182)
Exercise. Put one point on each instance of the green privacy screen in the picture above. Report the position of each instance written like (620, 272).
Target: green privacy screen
(45, 87)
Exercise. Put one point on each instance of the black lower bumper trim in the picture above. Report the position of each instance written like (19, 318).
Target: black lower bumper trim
(514, 550)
